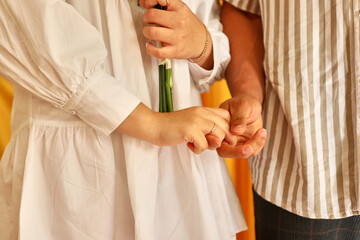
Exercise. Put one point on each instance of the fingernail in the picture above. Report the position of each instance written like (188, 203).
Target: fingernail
(263, 133)
(238, 128)
(248, 150)
(214, 145)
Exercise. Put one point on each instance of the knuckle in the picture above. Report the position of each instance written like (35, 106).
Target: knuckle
(182, 23)
(151, 13)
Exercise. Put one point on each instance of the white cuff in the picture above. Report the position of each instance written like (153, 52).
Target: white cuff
(101, 102)
(205, 78)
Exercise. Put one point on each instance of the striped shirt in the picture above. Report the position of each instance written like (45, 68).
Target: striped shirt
(310, 164)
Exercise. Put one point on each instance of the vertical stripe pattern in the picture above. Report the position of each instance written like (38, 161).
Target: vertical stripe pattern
(310, 163)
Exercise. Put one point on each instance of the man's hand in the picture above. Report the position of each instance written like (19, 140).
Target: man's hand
(245, 78)
(246, 123)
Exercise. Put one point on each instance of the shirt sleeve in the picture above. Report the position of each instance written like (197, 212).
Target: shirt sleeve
(252, 6)
(209, 13)
(50, 50)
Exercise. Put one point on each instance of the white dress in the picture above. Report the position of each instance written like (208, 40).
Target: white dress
(79, 68)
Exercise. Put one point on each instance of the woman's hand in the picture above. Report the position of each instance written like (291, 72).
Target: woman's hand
(153, 3)
(182, 34)
(190, 125)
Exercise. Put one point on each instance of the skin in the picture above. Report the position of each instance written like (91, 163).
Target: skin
(182, 34)
(245, 75)
(190, 125)
(245, 78)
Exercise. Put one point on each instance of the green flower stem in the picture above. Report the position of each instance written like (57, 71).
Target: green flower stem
(168, 86)
(162, 91)
(161, 107)
(165, 80)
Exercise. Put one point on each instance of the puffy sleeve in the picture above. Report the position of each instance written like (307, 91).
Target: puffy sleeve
(49, 49)
(252, 6)
(209, 13)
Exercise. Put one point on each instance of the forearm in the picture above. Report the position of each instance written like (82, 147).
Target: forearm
(188, 125)
(141, 124)
(245, 72)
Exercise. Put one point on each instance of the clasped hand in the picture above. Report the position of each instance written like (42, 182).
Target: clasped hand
(246, 123)
(238, 128)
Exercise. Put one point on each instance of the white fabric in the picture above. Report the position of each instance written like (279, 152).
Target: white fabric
(79, 68)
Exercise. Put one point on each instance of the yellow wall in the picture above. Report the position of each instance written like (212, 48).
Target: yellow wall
(6, 94)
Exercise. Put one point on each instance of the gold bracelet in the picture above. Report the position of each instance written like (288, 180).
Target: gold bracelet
(196, 60)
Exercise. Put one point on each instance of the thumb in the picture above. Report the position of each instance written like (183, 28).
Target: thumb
(213, 141)
(238, 116)
(238, 125)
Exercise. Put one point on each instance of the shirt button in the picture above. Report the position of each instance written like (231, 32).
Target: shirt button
(73, 112)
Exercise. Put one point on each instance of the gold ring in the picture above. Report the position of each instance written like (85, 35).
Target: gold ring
(213, 129)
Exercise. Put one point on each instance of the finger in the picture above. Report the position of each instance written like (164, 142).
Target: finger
(229, 137)
(215, 136)
(160, 34)
(221, 112)
(152, 3)
(239, 115)
(257, 142)
(160, 52)
(213, 141)
(198, 144)
(222, 131)
(225, 105)
(159, 17)
(173, 5)
(243, 116)
(238, 151)
(221, 123)
(238, 122)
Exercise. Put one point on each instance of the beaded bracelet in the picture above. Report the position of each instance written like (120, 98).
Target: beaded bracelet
(204, 50)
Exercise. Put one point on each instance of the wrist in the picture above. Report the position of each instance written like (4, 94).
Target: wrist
(246, 84)
(154, 128)
(142, 123)
(251, 94)
(205, 59)
(205, 48)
